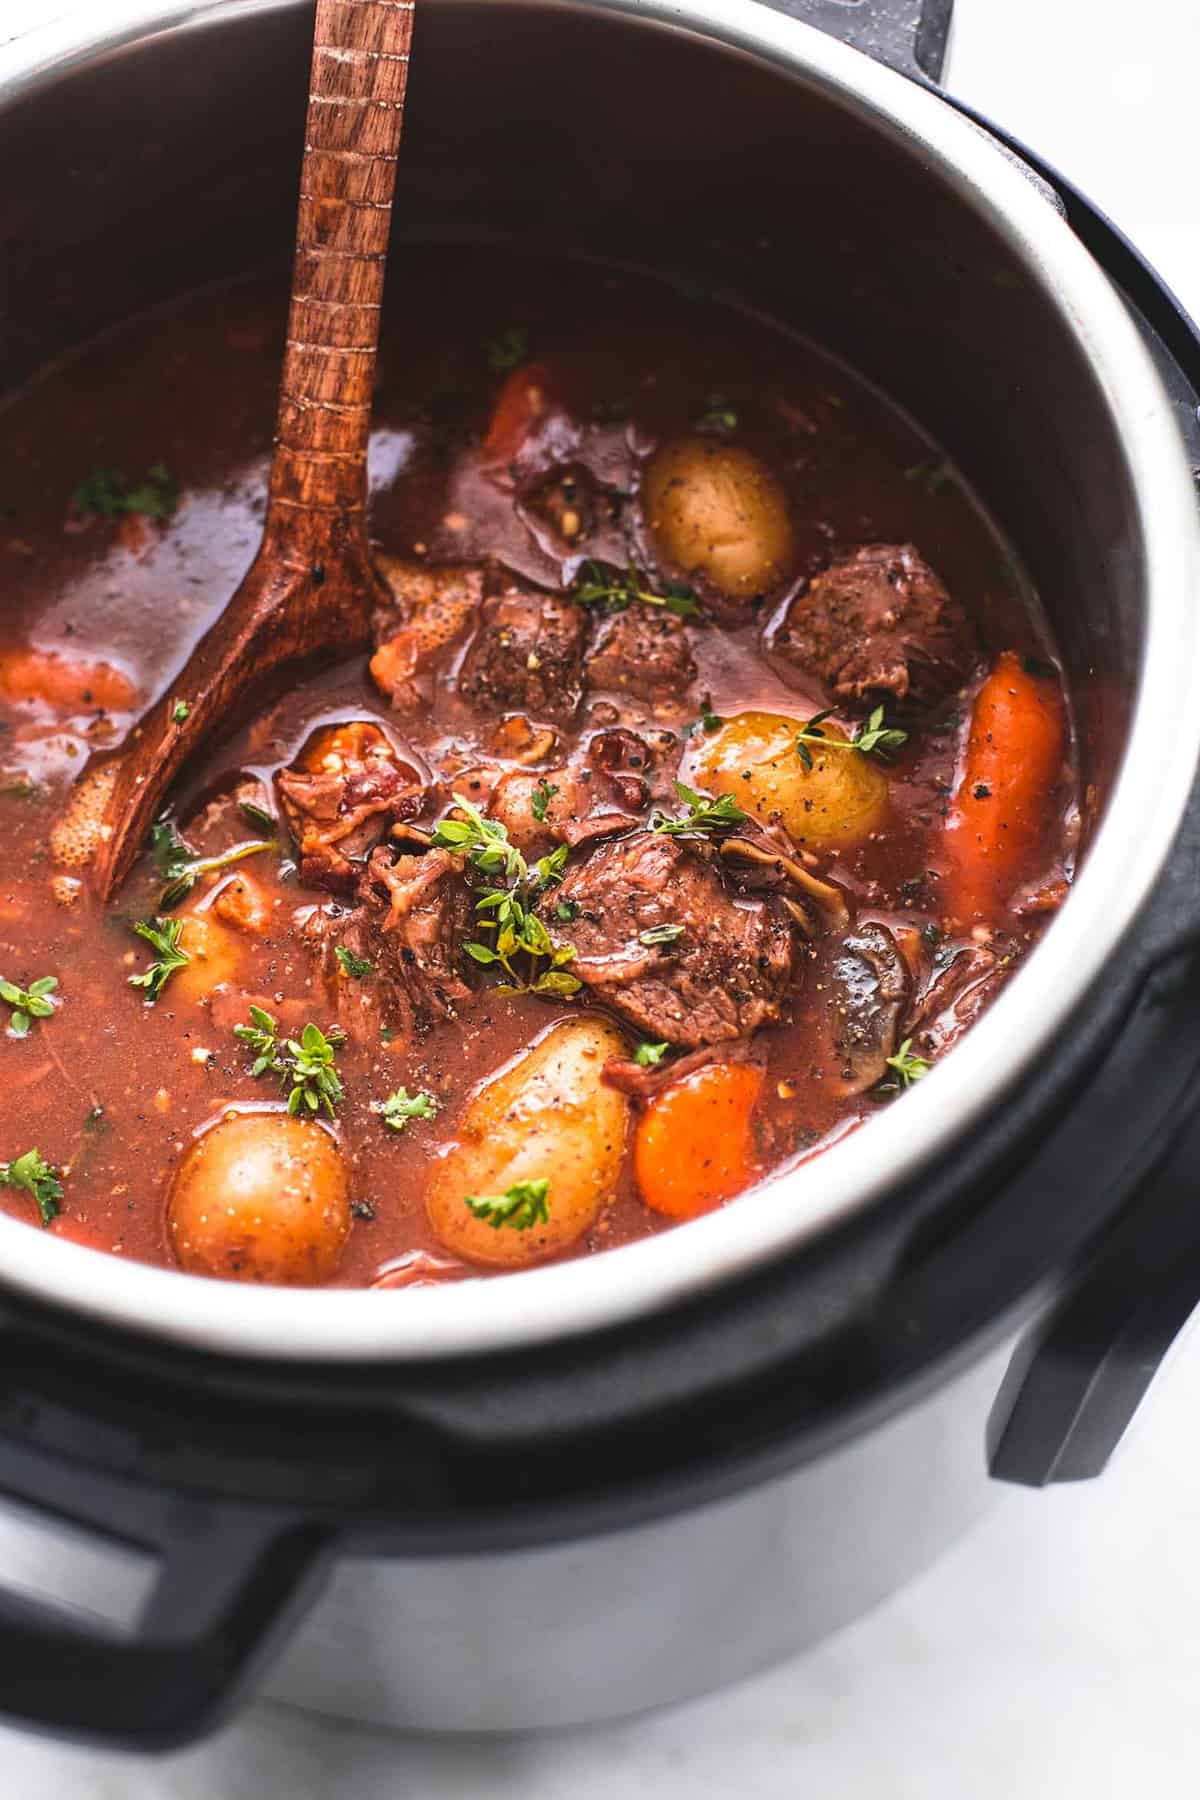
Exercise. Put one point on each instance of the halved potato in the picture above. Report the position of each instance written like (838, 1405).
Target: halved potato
(546, 1117)
(835, 803)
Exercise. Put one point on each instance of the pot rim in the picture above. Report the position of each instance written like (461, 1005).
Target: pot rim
(1124, 859)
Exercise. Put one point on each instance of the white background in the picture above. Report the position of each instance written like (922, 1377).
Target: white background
(1055, 1653)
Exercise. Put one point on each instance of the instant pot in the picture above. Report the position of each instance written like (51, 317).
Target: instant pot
(599, 1486)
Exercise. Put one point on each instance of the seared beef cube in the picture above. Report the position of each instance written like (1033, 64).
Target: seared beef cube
(341, 795)
(434, 607)
(526, 655)
(660, 937)
(412, 916)
(642, 651)
(880, 623)
(871, 990)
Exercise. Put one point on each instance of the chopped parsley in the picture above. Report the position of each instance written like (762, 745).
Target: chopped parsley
(305, 1066)
(906, 1068)
(660, 934)
(616, 590)
(163, 937)
(106, 494)
(704, 814)
(356, 967)
(29, 1003)
(524, 1204)
(40, 1179)
(648, 1056)
(400, 1107)
(508, 349)
(508, 910)
(875, 738)
(540, 799)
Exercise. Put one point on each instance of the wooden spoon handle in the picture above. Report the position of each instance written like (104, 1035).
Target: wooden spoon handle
(318, 487)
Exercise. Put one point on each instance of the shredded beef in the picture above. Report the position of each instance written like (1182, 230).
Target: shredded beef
(609, 786)
(880, 623)
(526, 655)
(644, 652)
(340, 797)
(412, 915)
(722, 977)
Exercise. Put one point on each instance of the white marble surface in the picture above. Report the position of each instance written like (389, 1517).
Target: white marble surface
(1055, 1653)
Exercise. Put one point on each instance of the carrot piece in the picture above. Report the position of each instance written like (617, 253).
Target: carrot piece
(529, 396)
(1014, 757)
(695, 1143)
(63, 683)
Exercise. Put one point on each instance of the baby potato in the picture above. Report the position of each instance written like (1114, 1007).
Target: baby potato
(715, 511)
(837, 802)
(216, 957)
(547, 1116)
(261, 1197)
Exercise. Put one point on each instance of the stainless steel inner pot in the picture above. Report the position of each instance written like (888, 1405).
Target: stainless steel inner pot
(158, 152)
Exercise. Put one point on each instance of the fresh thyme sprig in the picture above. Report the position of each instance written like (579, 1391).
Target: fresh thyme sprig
(181, 868)
(508, 911)
(29, 1003)
(616, 590)
(40, 1179)
(305, 1066)
(401, 1107)
(704, 814)
(524, 1204)
(163, 937)
(875, 738)
(906, 1068)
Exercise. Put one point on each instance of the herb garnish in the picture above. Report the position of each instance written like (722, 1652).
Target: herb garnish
(106, 493)
(181, 868)
(39, 1178)
(718, 415)
(508, 911)
(709, 720)
(508, 349)
(540, 799)
(356, 967)
(704, 814)
(181, 712)
(908, 1068)
(873, 739)
(616, 590)
(520, 1206)
(304, 1066)
(933, 476)
(28, 1003)
(660, 934)
(400, 1107)
(648, 1056)
(163, 936)
(566, 910)
(258, 816)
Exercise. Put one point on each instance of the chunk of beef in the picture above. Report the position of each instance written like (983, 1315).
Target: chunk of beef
(433, 608)
(716, 965)
(341, 795)
(412, 915)
(961, 986)
(629, 1077)
(526, 655)
(607, 787)
(880, 623)
(644, 652)
(871, 990)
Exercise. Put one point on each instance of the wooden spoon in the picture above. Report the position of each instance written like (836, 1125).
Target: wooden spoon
(312, 585)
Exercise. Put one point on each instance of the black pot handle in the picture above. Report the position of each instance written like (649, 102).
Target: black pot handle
(908, 35)
(230, 1585)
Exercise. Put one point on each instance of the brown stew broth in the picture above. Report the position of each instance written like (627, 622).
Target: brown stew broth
(113, 1089)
